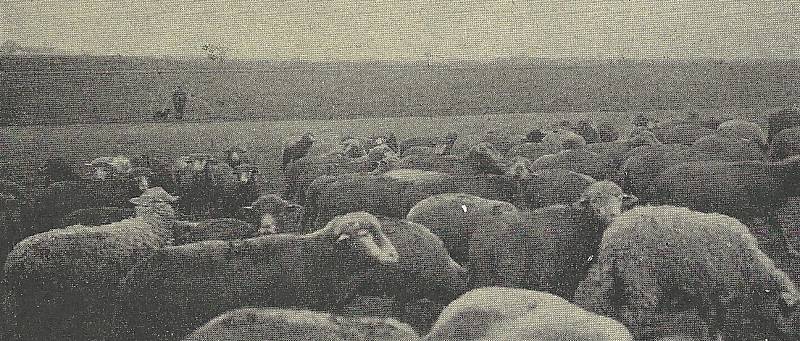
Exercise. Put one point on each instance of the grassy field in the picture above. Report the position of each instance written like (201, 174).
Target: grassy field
(75, 90)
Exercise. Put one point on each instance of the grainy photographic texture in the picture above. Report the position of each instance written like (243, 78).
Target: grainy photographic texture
(399, 170)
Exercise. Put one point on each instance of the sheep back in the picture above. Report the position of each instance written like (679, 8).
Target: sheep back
(249, 324)
(667, 261)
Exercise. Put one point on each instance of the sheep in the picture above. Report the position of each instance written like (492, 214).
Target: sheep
(608, 131)
(615, 152)
(432, 142)
(563, 139)
(96, 216)
(579, 160)
(585, 129)
(497, 313)
(744, 190)
(248, 324)
(210, 188)
(219, 229)
(10, 220)
(302, 172)
(296, 150)
(450, 164)
(271, 212)
(535, 136)
(532, 150)
(661, 266)
(547, 249)
(450, 216)
(62, 282)
(685, 133)
(640, 169)
(109, 166)
(785, 144)
(236, 155)
(57, 170)
(64, 197)
(11, 188)
(729, 149)
(551, 186)
(741, 129)
(783, 119)
(180, 287)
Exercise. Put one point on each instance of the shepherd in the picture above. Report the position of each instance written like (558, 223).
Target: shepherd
(179, 98)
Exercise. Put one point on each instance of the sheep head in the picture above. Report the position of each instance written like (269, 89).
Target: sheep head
(272, 213)
(606, 200)
(362, 231)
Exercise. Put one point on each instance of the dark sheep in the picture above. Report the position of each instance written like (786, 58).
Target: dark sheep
(782, 119)
(535, 136)
(729, 149)
(497, 313)
(249, 324)
(62, 198)
(217, 229)
(548, 249)
(210, 188)
(296, 150)
(302, 172)
(161, 168)
(744, 190)
(62, 282)
(270, 211)
(57, 170)
(96, 216)
(586, 129)
(451, 217)
(608, 131)
(180, 288)
(659, 266)
(785, 144)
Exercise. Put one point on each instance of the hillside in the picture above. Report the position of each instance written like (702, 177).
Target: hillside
(66, 90)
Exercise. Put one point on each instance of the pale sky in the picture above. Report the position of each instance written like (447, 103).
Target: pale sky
(410, 29)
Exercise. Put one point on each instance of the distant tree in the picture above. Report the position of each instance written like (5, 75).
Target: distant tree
(215, 52)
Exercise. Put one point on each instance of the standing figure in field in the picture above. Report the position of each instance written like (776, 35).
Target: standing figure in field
(179, 98)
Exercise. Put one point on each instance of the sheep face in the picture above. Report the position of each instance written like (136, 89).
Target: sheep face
(267, 226)
(101, 173)
(361, 231)
(606, 200)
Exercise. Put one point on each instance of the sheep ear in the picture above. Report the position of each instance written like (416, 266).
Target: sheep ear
(248, 208)
(342, 237)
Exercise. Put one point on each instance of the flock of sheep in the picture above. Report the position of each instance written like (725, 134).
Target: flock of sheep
(680, 230)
